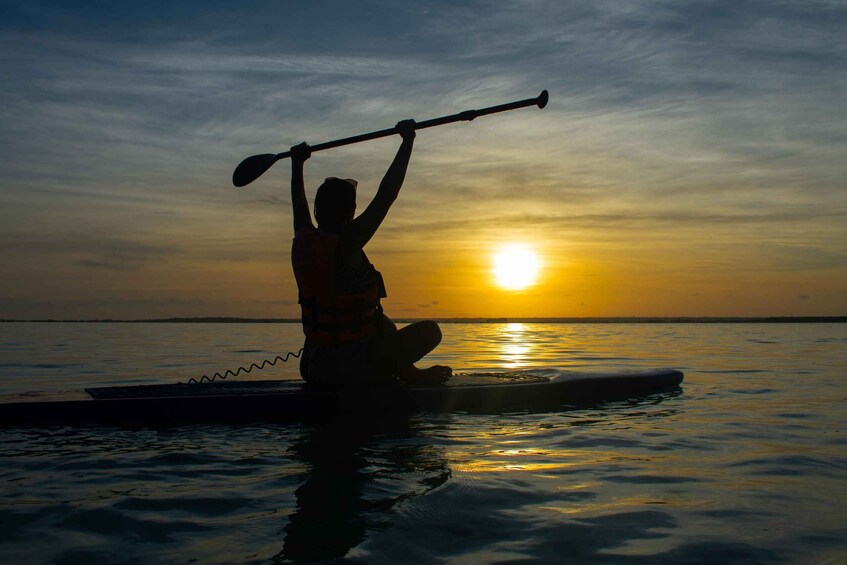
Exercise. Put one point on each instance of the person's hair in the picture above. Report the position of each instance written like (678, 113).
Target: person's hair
(335, 202)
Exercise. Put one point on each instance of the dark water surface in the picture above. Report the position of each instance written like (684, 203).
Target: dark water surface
(745, 464)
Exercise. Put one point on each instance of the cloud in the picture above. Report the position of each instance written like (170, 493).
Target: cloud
(93, 264)
(281, 302)
(631, 220)
(64, 242)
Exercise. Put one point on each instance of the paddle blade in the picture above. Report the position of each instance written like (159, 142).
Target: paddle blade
(252, 168)
(542, 99)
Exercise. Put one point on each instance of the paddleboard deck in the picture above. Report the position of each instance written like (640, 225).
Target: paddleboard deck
(288, 400)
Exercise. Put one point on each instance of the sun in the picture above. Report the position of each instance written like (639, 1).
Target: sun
(515, 266)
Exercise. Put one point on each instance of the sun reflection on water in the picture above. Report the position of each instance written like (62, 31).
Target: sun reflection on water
(515, 349)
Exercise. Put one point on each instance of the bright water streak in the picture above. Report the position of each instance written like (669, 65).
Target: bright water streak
(746, 464)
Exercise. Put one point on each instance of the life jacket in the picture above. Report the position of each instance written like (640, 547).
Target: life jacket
(330, 314)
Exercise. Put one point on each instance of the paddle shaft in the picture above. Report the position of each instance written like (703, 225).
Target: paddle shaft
(467, 115)
(253, 167)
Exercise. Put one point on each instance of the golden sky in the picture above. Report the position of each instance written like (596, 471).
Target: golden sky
(690, 161)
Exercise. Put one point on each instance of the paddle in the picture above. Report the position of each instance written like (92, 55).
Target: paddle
(253, 167)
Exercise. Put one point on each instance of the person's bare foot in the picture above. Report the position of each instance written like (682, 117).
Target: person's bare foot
(434, 375)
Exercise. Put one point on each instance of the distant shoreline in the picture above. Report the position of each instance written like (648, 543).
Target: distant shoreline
(598, 320)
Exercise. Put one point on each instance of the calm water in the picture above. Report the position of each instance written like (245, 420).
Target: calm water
(746, 464)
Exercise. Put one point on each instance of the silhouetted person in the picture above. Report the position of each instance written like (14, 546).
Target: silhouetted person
(348, 338)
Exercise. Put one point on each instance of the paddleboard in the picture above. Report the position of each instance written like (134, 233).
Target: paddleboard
(287, 400)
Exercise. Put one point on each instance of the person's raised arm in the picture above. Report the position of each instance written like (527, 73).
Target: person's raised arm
(299, 204)
(364, 227)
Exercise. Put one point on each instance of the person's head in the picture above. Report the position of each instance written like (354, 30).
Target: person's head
(335, 202)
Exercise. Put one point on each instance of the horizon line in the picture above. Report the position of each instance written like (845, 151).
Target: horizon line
(468, 320)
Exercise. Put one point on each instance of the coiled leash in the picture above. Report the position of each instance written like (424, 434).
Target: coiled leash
(229, 372)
